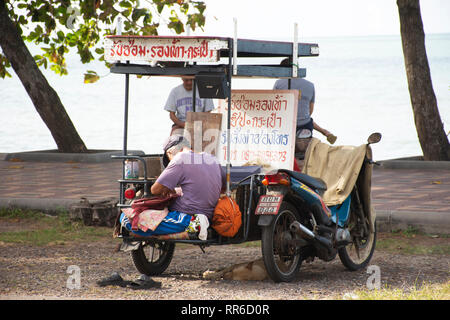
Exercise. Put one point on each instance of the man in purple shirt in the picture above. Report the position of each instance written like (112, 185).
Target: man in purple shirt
(198, 174)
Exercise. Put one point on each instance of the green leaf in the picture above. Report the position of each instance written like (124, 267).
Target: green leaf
(22, 20)
(60, 35)
(150, 30)
(196, 20)
(125, 4)
(4, 63)
(201, 7)
(138, 13)
(62, 50)
(56, 68)
(177, 26)
(126, 12)
(91, 77)
(147, 18)
(184, 8)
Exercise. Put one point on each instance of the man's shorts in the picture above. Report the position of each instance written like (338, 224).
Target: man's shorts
(174, 222)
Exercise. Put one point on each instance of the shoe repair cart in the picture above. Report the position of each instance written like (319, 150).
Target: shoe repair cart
(212, 62)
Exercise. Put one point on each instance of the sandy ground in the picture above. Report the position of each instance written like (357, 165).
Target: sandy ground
(43, 272)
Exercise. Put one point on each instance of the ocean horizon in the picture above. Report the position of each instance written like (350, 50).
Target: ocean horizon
(360, 85)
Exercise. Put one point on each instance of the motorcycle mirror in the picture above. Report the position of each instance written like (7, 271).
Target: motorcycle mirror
(374, 138)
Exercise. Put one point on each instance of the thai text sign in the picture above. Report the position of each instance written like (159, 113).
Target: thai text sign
(191, 49)
(262, 128)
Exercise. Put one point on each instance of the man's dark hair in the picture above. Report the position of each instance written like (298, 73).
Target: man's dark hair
(172, 141)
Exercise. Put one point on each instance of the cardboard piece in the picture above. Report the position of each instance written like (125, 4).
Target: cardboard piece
(202, 130)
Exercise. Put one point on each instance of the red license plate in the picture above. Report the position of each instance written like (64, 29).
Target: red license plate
(269, 204)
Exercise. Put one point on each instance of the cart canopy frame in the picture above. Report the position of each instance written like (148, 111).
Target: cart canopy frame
(180, 56)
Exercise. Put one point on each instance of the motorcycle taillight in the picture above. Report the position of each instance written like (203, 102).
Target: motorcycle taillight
(277, 178)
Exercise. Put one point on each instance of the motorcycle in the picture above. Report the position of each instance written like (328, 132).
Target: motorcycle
(299, 222)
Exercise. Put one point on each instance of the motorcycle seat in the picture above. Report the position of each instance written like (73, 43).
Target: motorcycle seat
(313, 183)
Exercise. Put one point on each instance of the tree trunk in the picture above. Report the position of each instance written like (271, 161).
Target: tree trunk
(430, 130)
(43, 96)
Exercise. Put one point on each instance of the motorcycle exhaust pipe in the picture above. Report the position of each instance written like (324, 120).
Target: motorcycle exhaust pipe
(304, 232)
(301, 230)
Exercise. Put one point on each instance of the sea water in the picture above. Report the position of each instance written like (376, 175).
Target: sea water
(360, 84)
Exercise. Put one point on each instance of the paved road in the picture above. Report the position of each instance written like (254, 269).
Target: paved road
(401, 197)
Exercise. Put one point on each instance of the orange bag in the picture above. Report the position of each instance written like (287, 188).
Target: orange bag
(227, 217)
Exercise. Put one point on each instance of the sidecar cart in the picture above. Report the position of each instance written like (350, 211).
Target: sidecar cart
(212, 62)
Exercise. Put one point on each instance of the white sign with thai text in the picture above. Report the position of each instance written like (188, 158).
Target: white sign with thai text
(149, 48)
(262, 132)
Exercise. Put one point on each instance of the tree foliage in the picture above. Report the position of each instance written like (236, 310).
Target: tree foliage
(59, 26)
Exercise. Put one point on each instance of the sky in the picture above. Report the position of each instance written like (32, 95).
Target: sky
(271, 19)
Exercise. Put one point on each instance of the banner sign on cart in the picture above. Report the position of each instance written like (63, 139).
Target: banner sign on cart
(148, 48)
(263, 124)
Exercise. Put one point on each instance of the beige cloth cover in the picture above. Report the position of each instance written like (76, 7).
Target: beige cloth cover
(338, 166)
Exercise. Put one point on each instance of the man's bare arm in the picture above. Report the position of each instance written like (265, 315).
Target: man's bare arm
(159, 189)
(175, 120)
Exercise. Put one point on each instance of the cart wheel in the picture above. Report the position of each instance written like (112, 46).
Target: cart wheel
(153, 258)
(280, 255)
(357, 254)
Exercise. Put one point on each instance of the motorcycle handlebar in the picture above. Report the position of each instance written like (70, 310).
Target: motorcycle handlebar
(370, 161)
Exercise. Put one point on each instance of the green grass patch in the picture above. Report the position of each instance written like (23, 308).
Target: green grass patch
(413, 242)
(21, 214)
(395, 245)
(426, 291)
(37, 228)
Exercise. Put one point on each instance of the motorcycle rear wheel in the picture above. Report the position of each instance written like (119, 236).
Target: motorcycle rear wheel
(153, 258)
(357, 255)
(280, 256)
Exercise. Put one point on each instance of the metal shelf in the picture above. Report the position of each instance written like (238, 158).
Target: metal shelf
(261, 71)
(266, 49)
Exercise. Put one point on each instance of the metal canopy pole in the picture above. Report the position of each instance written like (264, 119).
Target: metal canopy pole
(125, 134)
(125, 130)
(127, 84)
(194, 89)
(295, 52)
(234, 47)
(229, 74)
(294, 56)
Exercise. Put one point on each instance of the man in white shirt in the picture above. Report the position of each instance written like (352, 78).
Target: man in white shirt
(180, 102)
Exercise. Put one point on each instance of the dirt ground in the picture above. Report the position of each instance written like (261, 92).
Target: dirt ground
(42, 272)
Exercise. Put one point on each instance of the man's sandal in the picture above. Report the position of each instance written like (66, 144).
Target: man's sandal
(144, 282)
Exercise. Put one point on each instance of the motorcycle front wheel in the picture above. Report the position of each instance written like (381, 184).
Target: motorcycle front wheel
(357, 255)
(280, 255)
(153, 258)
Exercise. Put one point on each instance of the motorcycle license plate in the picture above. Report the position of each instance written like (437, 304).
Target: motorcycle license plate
(269, 204)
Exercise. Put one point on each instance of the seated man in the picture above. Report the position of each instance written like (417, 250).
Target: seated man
(200, 178)
(198, 174)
